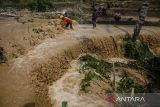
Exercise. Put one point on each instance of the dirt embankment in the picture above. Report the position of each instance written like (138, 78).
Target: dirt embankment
(50, 60)
(18, 36)
(153, 42)
(104, 47)
(59, 64)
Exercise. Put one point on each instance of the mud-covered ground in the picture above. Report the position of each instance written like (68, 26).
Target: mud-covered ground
(39, 52)
(18, 36)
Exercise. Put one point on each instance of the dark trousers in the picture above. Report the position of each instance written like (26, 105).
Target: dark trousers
(69, 24)
(117, 19)
(94, 22)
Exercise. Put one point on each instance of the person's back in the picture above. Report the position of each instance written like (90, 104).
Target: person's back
(94, 15)
(67, 20)
(104, 12)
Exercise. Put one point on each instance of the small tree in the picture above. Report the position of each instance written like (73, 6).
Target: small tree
(1, 2)
(141, 20)
(39, 5)
(93, 3)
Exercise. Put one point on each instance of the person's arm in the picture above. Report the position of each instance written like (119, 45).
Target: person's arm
(62, 23)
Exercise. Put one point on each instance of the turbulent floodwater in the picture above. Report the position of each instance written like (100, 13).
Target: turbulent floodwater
(41, 76)
(67, 89)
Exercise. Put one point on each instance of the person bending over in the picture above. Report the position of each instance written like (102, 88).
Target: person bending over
(66, 22)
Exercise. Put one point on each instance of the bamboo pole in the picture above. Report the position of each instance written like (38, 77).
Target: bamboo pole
(114, 77)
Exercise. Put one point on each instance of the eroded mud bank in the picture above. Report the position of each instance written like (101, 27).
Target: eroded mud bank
(28, 78)
(45, 74)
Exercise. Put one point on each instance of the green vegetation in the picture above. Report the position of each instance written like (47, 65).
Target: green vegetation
(102, 67)
(126, 84)
(95, 63)
(39, 5)
(94, 69)
(145, 58)
(1, 2)
(64, 104)
(86, 81)
(137, 50)
(75, 14)
(101, 70)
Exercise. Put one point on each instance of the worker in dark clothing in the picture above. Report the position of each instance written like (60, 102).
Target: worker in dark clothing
(108, 5)
(117, 16)
(92, 8)
(94, 17)
(99, 11)
(104, 12)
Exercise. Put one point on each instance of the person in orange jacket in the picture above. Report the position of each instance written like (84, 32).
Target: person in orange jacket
(66, 22)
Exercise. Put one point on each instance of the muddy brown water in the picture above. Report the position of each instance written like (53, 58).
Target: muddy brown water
(25, 80)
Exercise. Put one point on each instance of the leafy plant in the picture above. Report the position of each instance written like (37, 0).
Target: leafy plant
(141, 52)
(101, 70)
(137, 50)
(94, 63)
(86, 81)
(126, 84)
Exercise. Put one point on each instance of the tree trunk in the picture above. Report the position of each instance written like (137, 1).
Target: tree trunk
(93, 3)
(142, 14)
